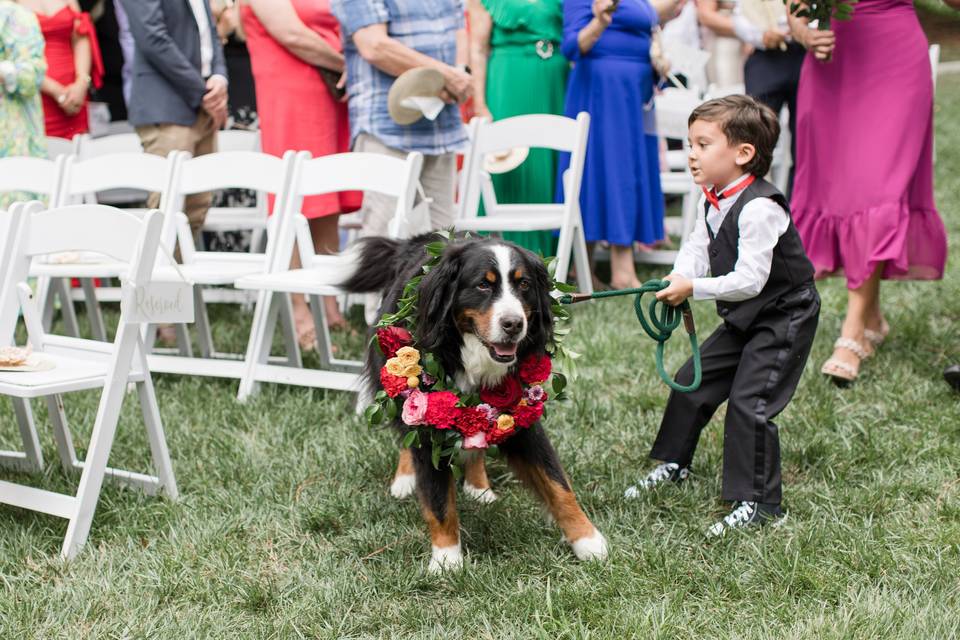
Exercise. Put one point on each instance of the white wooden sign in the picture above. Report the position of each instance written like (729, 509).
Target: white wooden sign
(158, 302)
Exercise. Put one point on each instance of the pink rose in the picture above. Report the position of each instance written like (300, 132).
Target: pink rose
(476, 441)
(414, 408)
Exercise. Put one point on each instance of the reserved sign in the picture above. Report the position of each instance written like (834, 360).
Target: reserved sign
(156, 302)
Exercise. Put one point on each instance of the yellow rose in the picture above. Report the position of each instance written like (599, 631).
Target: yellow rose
(395, 367)
(408, 356)
(413, 382)
(505, 422)
(411, 370)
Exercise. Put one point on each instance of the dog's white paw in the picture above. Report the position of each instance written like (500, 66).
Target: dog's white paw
(483, 496)
(403, 486)
(446, 559)
(592, 547)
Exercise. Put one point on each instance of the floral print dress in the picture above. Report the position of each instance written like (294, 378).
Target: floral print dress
(22, 68)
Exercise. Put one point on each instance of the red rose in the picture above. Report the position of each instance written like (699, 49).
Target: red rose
(442, 409)
(472, 421)
(392, 384)
(392, 338)
(535, 368)
(496, 436)
(526, 415)
(503, 396)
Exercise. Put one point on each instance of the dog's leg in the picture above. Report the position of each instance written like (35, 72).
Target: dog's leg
(475, 481)
(404, 480)
(438, 503)
(532, 457)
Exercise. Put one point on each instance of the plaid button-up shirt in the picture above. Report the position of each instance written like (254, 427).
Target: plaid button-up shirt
(430, 27)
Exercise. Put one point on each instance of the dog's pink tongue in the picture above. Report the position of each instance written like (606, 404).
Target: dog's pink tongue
(505, 349)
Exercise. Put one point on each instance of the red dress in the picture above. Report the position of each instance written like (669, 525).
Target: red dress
(295, 108)
(58, 30)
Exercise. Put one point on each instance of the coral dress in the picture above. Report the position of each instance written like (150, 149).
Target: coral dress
(296, 109)
(58, 30)
(863, 191)
(621, 200)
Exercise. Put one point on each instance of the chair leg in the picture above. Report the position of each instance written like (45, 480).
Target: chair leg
(202, 320)
(33, 457)
(581, 258)
(62, 289)
(324, 344)
(564, 251)
(151, 419)
(258, 346)
(61, 433)
(289, 329)
(101, 441)
(93, 310)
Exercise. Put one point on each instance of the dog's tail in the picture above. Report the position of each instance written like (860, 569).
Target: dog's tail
(379, 261)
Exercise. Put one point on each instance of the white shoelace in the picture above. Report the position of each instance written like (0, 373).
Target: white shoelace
(661, 473)
(741, 514)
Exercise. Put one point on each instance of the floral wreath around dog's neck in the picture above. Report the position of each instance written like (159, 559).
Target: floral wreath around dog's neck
(427, 399)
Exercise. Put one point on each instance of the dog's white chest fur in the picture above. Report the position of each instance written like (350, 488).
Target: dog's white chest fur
(479, 369)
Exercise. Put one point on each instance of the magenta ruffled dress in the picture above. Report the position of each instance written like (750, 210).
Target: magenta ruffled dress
(863, 190)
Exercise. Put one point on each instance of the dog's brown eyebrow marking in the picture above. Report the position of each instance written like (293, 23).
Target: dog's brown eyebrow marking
(518, 274)
(491, 277)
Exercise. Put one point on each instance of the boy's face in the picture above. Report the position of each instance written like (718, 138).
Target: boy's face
(713, 160)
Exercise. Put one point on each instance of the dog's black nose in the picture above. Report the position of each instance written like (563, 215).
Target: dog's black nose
(511, 325)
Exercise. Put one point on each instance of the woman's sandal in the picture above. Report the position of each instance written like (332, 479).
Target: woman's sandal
(876, 338)
(839, 372)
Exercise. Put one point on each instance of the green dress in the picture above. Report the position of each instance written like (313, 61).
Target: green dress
(526, 73)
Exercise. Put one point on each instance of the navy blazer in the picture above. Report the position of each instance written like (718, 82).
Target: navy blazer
(167, 85)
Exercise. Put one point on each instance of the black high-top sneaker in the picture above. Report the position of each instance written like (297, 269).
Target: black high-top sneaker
(748, 514)
(665, 472)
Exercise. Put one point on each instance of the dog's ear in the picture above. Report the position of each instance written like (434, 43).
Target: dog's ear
(438, 293)
(540, 331)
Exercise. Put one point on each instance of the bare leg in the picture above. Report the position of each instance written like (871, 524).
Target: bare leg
(623, 271)
(326, 240)
(862, 303)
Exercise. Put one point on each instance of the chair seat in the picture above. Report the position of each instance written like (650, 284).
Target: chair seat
(68, 374)
(516, 217)
(323, 278)
(213, 272)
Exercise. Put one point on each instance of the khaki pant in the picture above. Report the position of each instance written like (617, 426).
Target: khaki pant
(438, 178)
(199, 139)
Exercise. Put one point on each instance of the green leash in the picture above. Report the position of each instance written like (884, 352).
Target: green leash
(659, 326)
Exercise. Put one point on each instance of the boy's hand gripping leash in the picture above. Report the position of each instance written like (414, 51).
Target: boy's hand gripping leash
(659, 326)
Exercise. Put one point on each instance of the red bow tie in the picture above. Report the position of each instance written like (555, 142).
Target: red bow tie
(714, 198)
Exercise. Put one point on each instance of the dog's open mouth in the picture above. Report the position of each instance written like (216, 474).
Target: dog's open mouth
(503, 352)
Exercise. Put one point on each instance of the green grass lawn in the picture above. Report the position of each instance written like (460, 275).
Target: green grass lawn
(285, 528)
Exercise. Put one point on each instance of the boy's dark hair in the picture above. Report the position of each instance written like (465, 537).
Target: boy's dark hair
(744, 120)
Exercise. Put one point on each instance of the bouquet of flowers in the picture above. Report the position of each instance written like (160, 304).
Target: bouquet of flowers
(823, 11)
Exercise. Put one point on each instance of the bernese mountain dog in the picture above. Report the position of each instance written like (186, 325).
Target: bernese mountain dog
(481, 310)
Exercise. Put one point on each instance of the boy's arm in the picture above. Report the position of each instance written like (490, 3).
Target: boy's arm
(692, 261)
(762, 222)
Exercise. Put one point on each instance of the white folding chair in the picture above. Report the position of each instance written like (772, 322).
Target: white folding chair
(83, 181)
(227, 170)
(672, 108)
(320, 275)
(79, 364)
(57, 147)
(89, 147)
(536, 131)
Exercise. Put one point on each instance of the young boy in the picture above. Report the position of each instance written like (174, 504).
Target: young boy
(745, 253)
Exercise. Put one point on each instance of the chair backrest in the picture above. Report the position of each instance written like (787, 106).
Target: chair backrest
(543, 131)
(57, 147)
(90, 147)
(355, 171)
(141, 171)
(231, 170)
(95, 228)
(238, 140)
(33, 175)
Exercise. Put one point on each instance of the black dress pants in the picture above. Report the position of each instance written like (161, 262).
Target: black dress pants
(757, 372)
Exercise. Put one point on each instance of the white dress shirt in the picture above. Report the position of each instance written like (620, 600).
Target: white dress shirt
(199, 8)
(762, 222)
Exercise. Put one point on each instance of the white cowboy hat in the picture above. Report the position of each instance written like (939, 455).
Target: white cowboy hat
(503, 161)
(414, 95)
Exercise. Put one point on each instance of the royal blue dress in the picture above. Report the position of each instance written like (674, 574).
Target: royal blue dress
(621, 200)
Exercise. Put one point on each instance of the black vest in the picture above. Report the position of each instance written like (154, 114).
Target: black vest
(790, 269)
